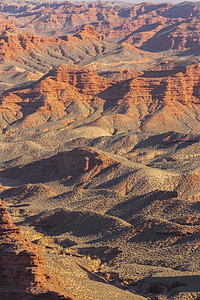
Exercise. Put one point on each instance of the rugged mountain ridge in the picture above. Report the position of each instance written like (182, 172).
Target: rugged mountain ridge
(26, 57)
(67, 94)
(156, 27)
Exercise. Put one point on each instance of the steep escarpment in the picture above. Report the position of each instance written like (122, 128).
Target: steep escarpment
(155, 103)
(85, 81)
(17, 45)
(22, 273)
(74, 96)
(13, 41)
(182, 87)
(89, 31)
(115, 21)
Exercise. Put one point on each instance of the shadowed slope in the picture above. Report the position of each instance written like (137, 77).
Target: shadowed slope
(63, 165)
(22, 273)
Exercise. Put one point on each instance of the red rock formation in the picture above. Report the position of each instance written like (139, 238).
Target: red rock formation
(20, 46)
(84, 80)
(89, 31)
(182, 87)
(22, 273)
(35, 56)
(147, 103)
(115, 21)
(155, 27)
(50, 96)
(166, 97)
(12, 41)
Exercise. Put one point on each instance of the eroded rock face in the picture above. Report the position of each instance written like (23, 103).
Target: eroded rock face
(86, 81)
(29, 56)
(48, 98)
(182, 87)
(154, 27)
(89, 31)
(143, 103)
(182, 38)
(13, 41)
(14, 44)
(114, 21)
(22, 275)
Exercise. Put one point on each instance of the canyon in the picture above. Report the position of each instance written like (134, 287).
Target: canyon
(149, 26)
(99, 150)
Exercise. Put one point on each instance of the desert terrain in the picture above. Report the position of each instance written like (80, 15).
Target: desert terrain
(99, 150)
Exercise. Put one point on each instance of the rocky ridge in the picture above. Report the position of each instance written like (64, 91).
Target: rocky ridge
(157, 27)
(143, 100)
(69, 164)
(26, 57)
